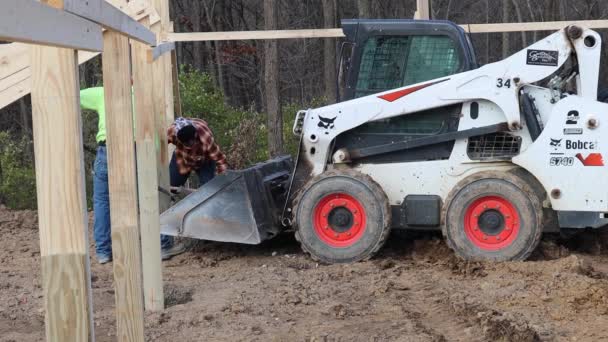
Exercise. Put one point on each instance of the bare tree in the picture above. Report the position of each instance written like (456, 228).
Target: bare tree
(271, 83)
(505, 36)
(329, 51)
(364, 8)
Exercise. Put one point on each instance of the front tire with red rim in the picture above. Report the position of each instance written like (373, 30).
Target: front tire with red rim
(493, 219)
(341, 217)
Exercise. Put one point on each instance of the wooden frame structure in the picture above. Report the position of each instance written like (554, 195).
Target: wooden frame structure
(59, 28)
(51, 75)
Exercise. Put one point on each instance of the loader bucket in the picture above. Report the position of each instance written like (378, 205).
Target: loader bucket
(238, 206)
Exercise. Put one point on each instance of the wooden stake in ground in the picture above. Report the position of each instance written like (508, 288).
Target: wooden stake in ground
(123, 188)
(62, 211)
(146, 138)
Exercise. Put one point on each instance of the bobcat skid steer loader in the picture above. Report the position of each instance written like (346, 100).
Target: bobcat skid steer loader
(491, 156)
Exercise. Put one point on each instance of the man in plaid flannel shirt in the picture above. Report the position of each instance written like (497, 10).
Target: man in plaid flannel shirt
(197, 151)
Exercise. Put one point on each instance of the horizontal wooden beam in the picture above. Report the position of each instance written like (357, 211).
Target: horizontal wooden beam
(159, 50)
(110, 17)
(337, 33)
(533, 26)
(15, 57)
(246, 35)
(30, 21)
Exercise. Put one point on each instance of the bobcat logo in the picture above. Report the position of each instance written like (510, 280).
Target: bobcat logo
(326, 123)
(555, 143)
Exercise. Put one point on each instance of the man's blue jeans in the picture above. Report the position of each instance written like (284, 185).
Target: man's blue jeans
(205, 173)
(101, 205)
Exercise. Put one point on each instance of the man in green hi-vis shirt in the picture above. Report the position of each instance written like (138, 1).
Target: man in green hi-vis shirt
(93, 99)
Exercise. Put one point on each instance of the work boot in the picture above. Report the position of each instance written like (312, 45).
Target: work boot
(177, 249)
(104, 259)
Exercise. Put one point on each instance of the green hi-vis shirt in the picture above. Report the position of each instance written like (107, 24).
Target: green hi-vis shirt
(93, 99)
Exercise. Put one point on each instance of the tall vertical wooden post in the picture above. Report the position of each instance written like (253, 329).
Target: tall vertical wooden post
(62, 210)
(123, 188)
(163, 97)
(423, 10)
(146, 136)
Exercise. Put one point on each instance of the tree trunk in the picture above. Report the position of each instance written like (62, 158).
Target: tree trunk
(329, 51)
(487, 55)
(197, 49)
(271, 82)
(524, 39)
(364, 9)
(505, 36)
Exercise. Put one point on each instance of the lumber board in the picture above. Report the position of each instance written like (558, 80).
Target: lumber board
(533, 26)
(30, 21)
(159, 50)
(123, 188)
(110, 17)
(15, 92)
(177, 98)
(160, 105)
(60, 185)
(164, 102)
(146, 136)
(14, 56)
(245, 35)
(14, 79)
(423, 10)
(329, 33)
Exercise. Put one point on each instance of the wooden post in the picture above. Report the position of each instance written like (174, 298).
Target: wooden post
(423, 10)
(147, 179)
(62, 210)
(123, 188)
(176, 95)
(163, 99)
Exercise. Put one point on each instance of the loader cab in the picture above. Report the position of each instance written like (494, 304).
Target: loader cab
(378, 55)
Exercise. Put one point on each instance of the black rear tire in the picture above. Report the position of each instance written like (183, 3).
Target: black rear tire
(493, 216)
(342, 217)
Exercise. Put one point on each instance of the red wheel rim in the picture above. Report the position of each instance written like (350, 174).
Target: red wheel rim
(339, 220)
(491, 223)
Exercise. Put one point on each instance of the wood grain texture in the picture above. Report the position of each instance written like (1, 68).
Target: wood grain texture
(110, 17)
(423, 9)
(147, 168)
(123, 188)
(538, 26)
(162, 7)
(163, 109)
(66, 305)
(15, 59)
(177, 98)
(30, 21)
(245, 35)
(60, 185)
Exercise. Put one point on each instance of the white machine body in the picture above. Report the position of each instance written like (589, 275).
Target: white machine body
(566, 158)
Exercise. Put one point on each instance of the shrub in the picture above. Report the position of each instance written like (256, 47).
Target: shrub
(241, 134)
(17, 176)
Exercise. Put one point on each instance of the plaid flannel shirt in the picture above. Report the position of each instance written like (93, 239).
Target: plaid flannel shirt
(192, 157)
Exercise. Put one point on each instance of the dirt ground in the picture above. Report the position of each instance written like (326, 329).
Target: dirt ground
(415, 290)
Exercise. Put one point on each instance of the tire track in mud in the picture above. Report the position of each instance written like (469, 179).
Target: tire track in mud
(427, 305)
(445, 308)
